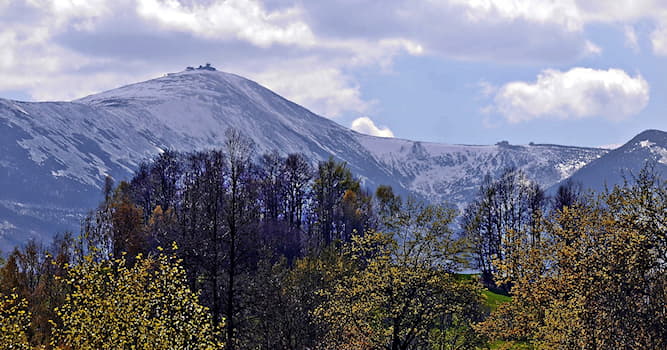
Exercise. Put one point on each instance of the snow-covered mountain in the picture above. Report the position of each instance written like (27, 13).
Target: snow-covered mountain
(647, 148)
(54, 155)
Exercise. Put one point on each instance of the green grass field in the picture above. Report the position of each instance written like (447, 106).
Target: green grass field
(510, 345)
(493, 298)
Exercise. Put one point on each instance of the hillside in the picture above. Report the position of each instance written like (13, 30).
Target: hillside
(55, 155)
(647, 148)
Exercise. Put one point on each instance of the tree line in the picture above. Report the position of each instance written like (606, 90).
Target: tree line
(228, 249)
(584, 270)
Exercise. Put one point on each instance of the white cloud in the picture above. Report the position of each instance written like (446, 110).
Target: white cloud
(409, 46)
(366, 126)
(591, 48)
(326, 91)
(629, 12)
(618, 10)
(48, 72)
(659, 39)
(571, 15)
(486, 88)
(28, 62)
(566, 19)
(631, 39)
(224, 19)
(564, 13)
(302, 49)
(574, 15)
(52, 51)
(78, 8)
(575, 94)
(481, 30)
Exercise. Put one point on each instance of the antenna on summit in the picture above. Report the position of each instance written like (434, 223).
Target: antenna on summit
(206, 66)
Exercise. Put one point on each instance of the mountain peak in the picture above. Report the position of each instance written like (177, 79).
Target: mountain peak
(68, 148)
(191, 82)
(650, 135)
(648, 147)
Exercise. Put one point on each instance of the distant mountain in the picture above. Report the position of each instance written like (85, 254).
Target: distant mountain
(55, 155)
(647, 148)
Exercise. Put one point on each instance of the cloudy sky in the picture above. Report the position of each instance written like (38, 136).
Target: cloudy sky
(584, 72)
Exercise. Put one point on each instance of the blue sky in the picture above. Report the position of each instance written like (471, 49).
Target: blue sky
(580, 72)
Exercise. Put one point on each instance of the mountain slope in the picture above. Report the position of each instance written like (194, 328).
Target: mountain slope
(647, 148)
(453, 173)
(54, 155)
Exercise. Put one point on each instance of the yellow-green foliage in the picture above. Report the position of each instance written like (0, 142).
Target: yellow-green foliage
(510, 345)
(596, 279)
(14, 321)
(144, 306)
(393, 300)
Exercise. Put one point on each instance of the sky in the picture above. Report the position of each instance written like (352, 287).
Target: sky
(574, 72)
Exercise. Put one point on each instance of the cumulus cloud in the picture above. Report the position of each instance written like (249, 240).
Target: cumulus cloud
(575, 94)
(628, 12)
(241, 19)
(497, 31)
(63, 49)
(326, 91)
(304, 50)
(563, 13)
(501, 30)
(366, 126)
(571, 15)
(82, 12)
(617, 10)
(30, 61)
(26, 62)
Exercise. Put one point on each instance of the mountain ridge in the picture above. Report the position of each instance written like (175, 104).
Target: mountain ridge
(69, 147)
(646, 148)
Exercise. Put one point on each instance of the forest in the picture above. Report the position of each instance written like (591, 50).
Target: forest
(227, 249)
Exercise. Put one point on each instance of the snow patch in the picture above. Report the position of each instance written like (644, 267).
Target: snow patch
(110, 133)
(569, 168)
(659, 152)
(20, 109)
(646, 143)
(611, 146)
(453, 173)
